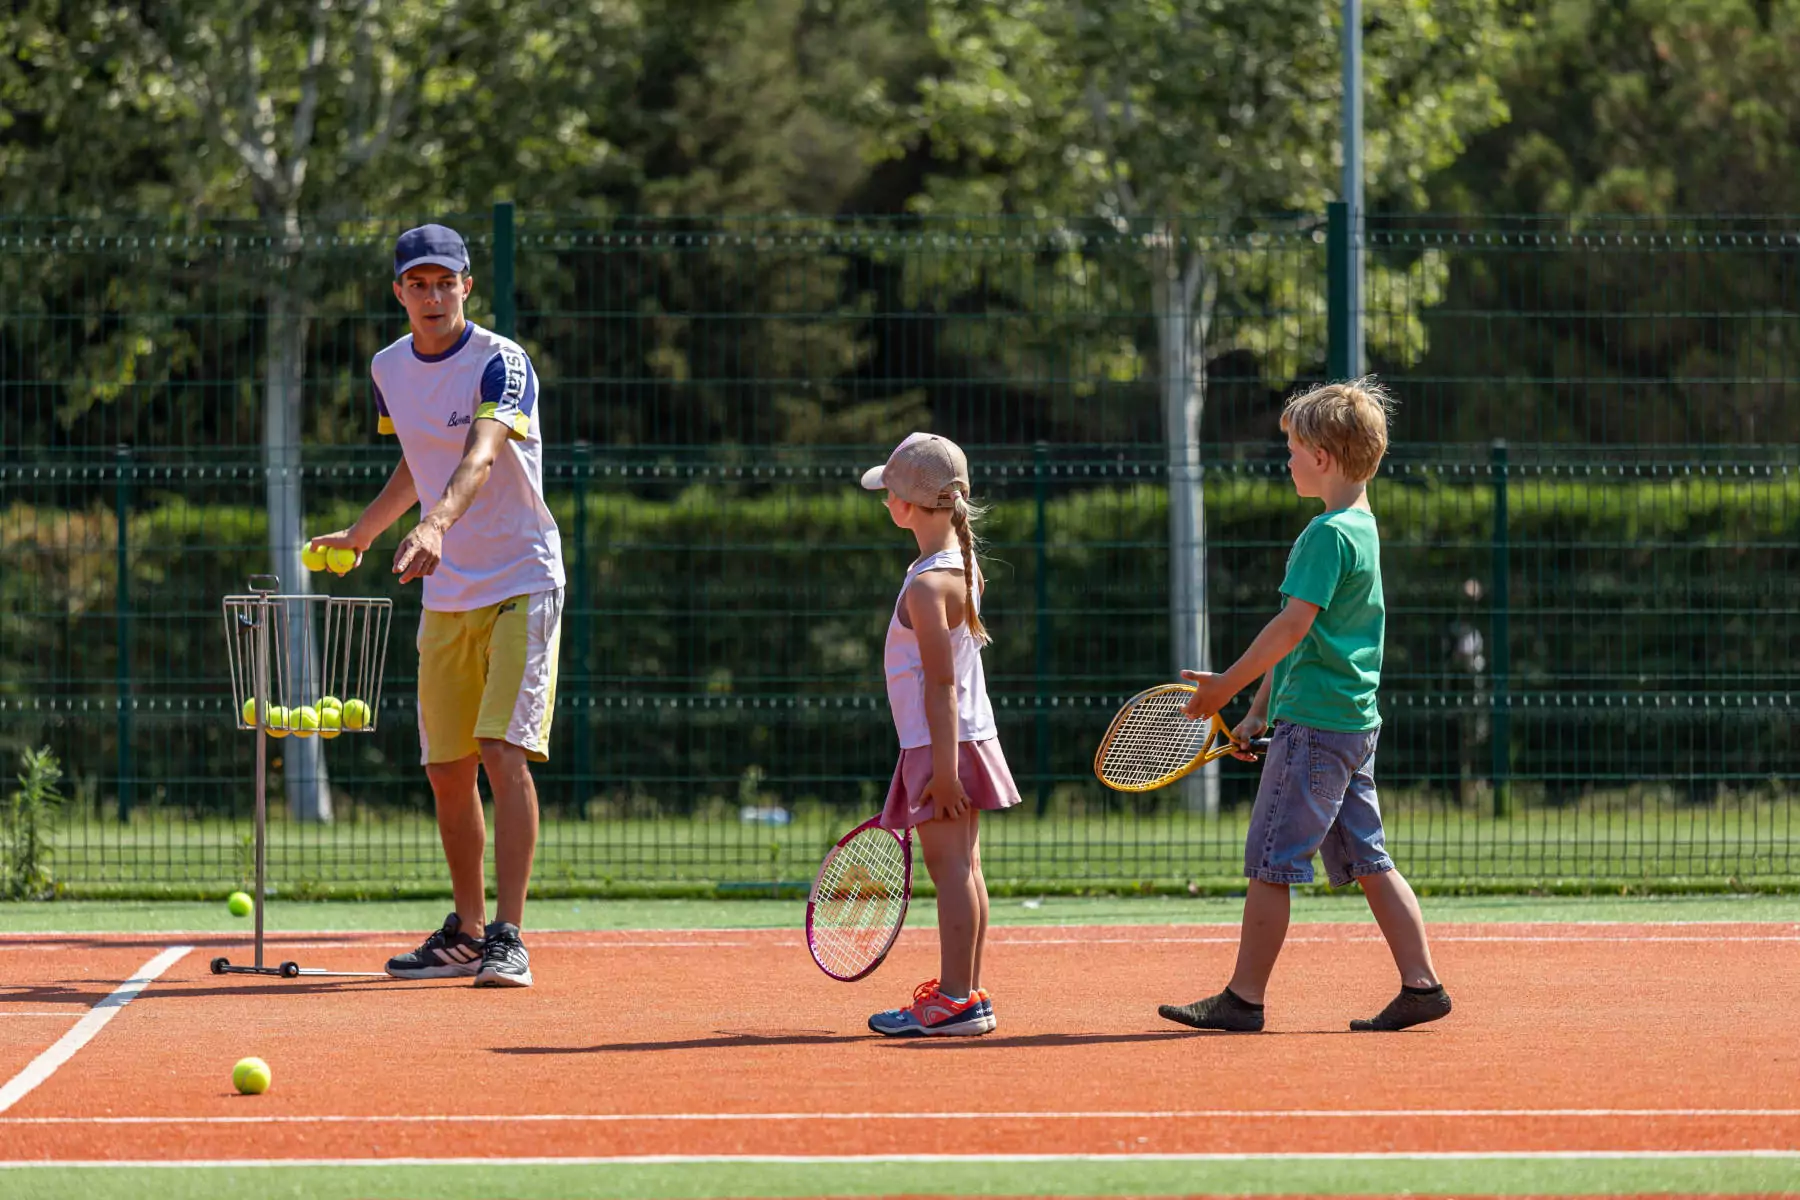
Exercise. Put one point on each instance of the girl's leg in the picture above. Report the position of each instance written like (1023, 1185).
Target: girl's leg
(947, 846)
(981, 894)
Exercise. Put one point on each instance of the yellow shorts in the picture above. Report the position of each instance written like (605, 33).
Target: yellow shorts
(489, 673)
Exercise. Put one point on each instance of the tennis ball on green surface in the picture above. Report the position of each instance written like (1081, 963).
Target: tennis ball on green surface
(331, 702)
(239, 903)
(356, 714)
(340, 559)
(304, 721)
(251, 1076)
(278, 721)
(331, 722)
(312, 557)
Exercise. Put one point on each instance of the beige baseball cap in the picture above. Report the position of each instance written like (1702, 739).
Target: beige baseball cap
(925, 469)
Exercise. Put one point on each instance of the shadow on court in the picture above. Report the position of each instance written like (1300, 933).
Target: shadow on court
(724, 1039)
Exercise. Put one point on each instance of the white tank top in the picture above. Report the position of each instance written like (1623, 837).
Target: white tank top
(906, 672)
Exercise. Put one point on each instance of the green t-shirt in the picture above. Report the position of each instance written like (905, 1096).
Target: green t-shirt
(1329, 680)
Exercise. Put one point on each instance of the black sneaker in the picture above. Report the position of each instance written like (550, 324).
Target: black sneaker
(446, 954)
(504, 962)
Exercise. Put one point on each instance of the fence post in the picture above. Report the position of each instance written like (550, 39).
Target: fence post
(506, 313)
(122, 621)
(1338, 311)
(1499, 613)
(1040, 456)
(578, 611)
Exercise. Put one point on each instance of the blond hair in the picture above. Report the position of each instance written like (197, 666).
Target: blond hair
(1349, 421)
(963, 516)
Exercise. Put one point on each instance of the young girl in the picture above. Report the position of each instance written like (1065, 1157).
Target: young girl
(950, 762)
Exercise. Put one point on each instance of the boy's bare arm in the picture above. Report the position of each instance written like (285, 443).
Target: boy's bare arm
(1212, 692)
(423, 548)
(397, 495)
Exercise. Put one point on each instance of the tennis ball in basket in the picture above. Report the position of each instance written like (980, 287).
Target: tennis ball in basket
(356, 714)
(340, 559)
(331, 702)
(240, 904)
(249, 711)
(331, 722)
(251, 1076)
(312, 557)
(278, 721)
(304, 721)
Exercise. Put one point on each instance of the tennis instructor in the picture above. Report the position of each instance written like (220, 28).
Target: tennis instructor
(463, 402)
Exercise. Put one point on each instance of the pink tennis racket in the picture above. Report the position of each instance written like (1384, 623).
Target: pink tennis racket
(858, 901)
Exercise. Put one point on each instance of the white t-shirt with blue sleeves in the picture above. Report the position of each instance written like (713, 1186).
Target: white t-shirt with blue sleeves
(507, 543)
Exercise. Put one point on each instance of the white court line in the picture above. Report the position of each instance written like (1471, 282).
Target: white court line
(86, 1029)
(682, 1160)
(1209, 1114)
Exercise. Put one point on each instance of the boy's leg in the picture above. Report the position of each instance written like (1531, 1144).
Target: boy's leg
(515, 825)
(946, 846)
(463, 831)
(1266, 907)
(1396, 911)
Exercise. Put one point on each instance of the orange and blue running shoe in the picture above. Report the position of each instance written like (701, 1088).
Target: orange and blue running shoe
(933, 1014)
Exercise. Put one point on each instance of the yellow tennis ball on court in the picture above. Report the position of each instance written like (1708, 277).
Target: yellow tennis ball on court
(331, 722)
(312, 557)
(278, 721)
(340, 559)
(240, 904)
(251, 1076)
(304, 721)
(356, 714)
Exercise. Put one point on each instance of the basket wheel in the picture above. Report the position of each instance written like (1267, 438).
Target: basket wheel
(290, 970)
(219, 965)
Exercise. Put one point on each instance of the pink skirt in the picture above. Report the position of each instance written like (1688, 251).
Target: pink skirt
(982, 769)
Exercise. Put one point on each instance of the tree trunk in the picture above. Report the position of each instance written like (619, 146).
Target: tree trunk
(1183, 312)
(303, 763)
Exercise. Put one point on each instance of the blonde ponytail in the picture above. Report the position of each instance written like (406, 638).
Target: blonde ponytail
(963, 516)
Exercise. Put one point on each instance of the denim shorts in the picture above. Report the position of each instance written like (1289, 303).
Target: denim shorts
(1317, 794)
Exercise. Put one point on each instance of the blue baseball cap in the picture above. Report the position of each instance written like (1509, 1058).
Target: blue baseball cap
(430, 245)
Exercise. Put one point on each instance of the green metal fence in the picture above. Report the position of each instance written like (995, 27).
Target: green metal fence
(1590, 522)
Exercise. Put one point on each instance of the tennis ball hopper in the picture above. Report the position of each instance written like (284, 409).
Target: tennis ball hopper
(292, 655)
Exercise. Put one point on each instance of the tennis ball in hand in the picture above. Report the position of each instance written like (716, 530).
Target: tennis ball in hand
(312, 557)
(331, 722)
(340, 559)
(304, 721)
(240, 904)
(278, 721)
(251, 1076)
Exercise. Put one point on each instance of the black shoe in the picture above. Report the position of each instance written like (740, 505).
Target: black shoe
(504, 962)
(446, 954)
(1225, 1012)
(1413, 1006)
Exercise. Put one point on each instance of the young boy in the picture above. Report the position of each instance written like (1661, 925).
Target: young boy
(462, 400)
(1320, 665)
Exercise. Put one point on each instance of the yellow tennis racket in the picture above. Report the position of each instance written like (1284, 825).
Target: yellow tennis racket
(1151, 742)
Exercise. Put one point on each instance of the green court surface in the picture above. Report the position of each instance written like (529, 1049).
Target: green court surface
(593, 1180)
(149, 916)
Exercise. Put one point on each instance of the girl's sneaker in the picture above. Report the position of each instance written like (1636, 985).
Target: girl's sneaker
(933, 1014)
(989, 1024)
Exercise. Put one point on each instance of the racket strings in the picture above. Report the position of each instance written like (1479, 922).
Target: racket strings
(1153, 740)
(859, 900)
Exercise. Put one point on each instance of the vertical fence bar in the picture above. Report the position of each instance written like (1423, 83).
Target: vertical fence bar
(506, 311)
(1338, 313)
(576, 613)
(122, 621)
(1499, 633)
(1041, 544)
